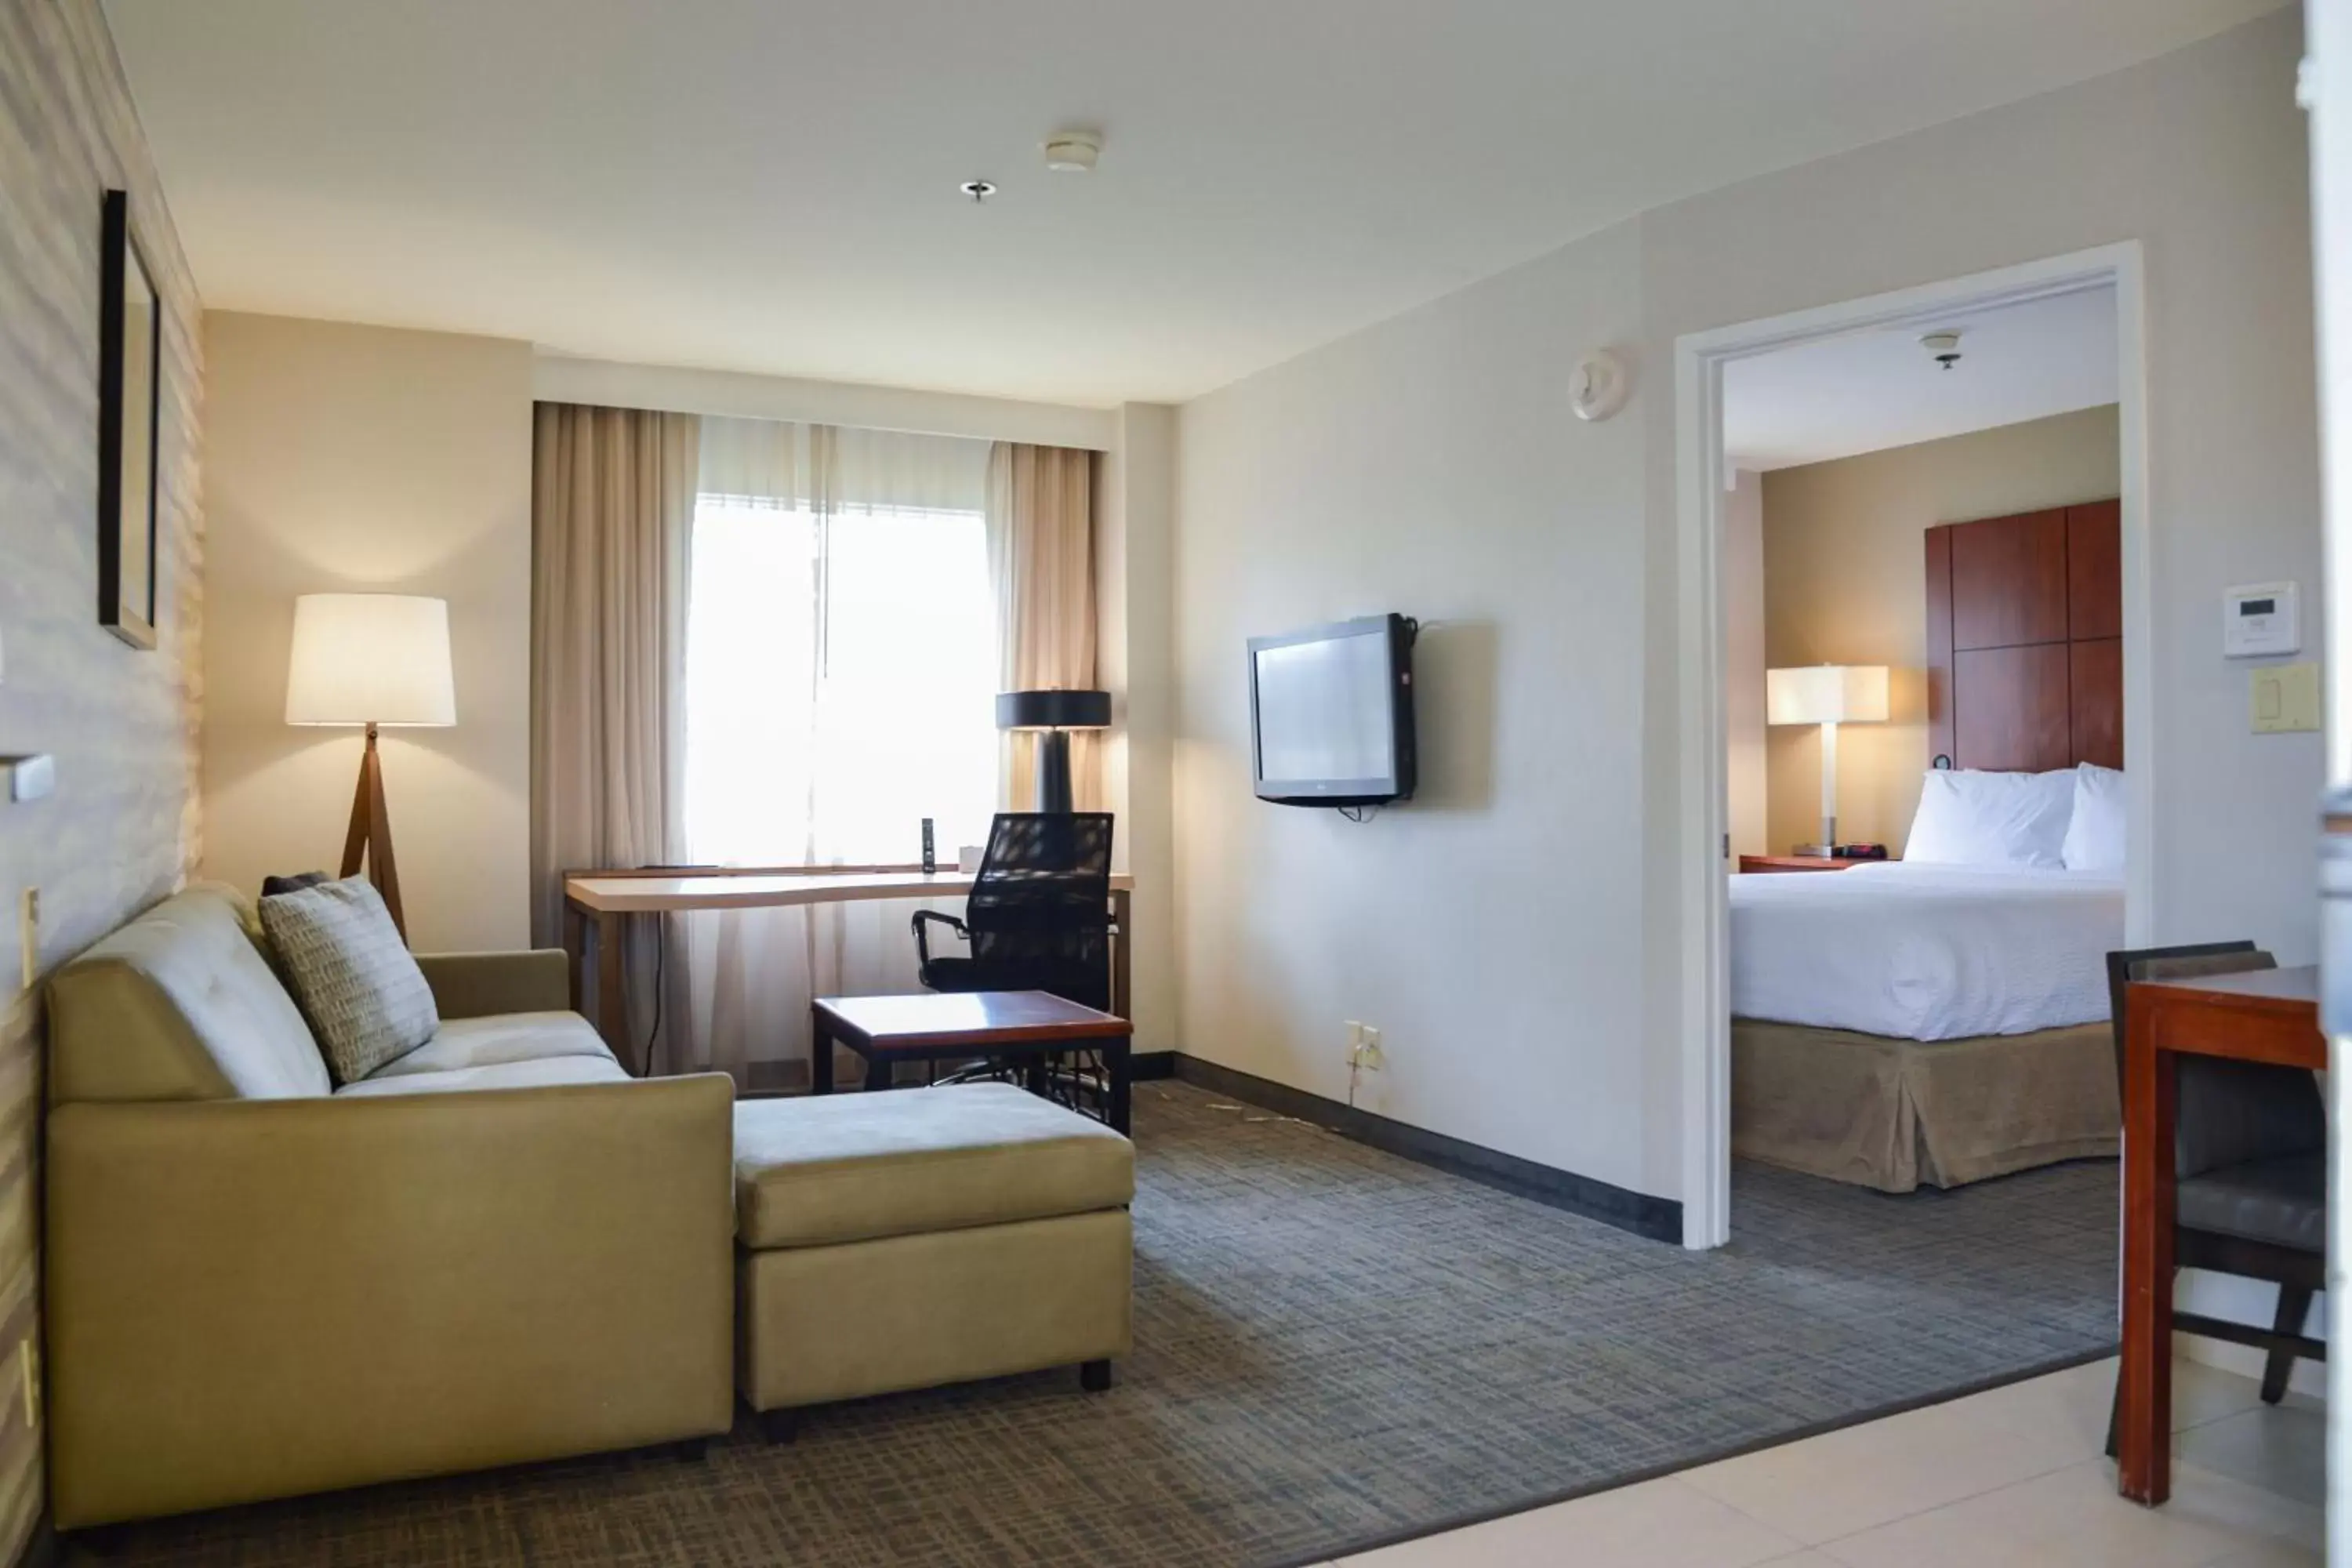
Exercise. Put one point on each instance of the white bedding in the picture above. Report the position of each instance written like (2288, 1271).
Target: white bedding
(1925, 953)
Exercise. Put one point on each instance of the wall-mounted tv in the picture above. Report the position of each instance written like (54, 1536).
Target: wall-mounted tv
(1331, 713)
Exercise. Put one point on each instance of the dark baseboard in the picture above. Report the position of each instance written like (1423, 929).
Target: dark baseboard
(1660, 1219)
(41, 1548)
(1150, 1065)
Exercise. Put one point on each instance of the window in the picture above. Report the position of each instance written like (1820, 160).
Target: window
(840, 681)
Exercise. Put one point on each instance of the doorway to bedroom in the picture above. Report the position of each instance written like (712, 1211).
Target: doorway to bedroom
(1920, 569)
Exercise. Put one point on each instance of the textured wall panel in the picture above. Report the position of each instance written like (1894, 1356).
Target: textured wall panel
(121, 828)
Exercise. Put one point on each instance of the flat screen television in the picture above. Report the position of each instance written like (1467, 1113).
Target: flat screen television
(1331, 713)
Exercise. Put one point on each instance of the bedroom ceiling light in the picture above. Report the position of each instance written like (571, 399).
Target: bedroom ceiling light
(978, 190)
(1944, 348)
(1073, 152)
(1828, 695)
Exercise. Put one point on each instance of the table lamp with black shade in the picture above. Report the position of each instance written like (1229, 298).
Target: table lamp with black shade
(1052, 714)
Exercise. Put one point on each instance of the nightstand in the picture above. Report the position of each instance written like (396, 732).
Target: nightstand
(1754, 863)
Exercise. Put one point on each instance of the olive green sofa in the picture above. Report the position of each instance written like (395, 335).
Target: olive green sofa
(500, 1248)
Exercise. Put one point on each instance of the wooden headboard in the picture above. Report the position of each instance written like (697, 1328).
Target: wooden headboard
(2025, 650)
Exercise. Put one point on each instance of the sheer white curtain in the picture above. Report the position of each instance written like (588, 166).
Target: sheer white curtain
(840, 686)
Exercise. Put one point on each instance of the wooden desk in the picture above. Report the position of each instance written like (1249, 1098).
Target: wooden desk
(2262, 1015)
(598, 904)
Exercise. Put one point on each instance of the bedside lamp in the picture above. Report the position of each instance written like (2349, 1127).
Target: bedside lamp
(1828, 695)
(372, 660)
(1054, 715)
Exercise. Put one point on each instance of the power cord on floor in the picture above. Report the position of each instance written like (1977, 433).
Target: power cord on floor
(661, 959)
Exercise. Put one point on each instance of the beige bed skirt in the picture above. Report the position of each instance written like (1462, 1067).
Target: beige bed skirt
(1893, 1114)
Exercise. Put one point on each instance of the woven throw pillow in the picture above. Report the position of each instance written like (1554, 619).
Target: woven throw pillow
(351, 974)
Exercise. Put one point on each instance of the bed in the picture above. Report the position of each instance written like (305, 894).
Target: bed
(1944, 1019)
(1902, 1025)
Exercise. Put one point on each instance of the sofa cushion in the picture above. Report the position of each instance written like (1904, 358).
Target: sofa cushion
(344, 959)
(813, 1171)
(179, 1005)
(537, 1072)
(498, 1040)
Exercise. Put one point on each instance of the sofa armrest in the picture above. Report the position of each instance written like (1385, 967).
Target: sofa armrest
(483, 984)
(258, 1298)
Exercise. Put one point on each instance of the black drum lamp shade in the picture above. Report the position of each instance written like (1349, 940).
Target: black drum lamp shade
(1054, 715)
(1052, 710)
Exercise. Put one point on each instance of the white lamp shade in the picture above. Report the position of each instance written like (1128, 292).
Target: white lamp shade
(370, 658)
(1826, 694)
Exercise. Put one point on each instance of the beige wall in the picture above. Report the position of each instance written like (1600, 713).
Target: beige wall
(353, 457)
(1844, 584)
(1135, 542)
(1490, 929)
(358, 458)
(1516, 929)
(121, 828)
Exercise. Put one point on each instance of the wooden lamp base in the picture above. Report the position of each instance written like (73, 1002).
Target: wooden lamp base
(370, 837)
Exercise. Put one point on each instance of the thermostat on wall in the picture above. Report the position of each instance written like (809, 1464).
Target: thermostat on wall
(2260, 620)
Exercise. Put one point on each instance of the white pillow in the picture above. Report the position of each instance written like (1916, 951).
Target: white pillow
(2094, 834)
(1969, 818)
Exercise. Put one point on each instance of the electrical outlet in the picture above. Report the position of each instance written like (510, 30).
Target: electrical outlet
(1355, 1041)
(1368, 1048)
(29, 936)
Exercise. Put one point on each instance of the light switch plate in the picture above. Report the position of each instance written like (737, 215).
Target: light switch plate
(26, 778)
(2285, 699)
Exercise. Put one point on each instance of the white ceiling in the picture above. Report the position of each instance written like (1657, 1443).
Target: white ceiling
(1868, 391)
(769, 184)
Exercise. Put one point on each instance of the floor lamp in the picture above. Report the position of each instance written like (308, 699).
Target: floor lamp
(1052, 714)
(1828, 695)
(372, 660)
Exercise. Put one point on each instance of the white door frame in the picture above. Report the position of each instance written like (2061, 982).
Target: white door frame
(1699, 358)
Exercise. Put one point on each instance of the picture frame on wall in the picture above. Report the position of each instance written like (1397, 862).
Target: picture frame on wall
(130, 404)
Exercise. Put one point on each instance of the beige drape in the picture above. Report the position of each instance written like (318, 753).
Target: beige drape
(1041, 557)
(612, 507)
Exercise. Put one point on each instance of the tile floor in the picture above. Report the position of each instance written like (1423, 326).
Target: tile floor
(2014, 1476)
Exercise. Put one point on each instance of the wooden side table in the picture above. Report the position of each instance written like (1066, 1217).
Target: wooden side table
(1751, 864)
(950, 1026)
(2258, 1016)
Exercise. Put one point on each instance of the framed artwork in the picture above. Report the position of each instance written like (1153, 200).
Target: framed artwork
(130, 399)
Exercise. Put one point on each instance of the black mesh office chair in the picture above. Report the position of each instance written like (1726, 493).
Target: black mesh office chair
(1038, 919)
(2250, 1166)
(1039, 915)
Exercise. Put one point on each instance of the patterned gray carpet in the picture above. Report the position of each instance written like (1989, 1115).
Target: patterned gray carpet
(1334, 1347)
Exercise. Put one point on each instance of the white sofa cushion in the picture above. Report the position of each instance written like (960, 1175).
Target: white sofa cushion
(179, 1005)
(497, 1041)
(822, 1169)
(538, 1072)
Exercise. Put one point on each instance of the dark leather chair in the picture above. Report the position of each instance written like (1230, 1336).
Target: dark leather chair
(2250, 1164)
(1038, 917)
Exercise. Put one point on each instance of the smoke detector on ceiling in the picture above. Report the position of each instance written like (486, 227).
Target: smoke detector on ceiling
(1944, 348)
(1073, 152)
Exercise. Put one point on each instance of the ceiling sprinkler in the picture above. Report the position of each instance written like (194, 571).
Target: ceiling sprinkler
(1943, 347)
